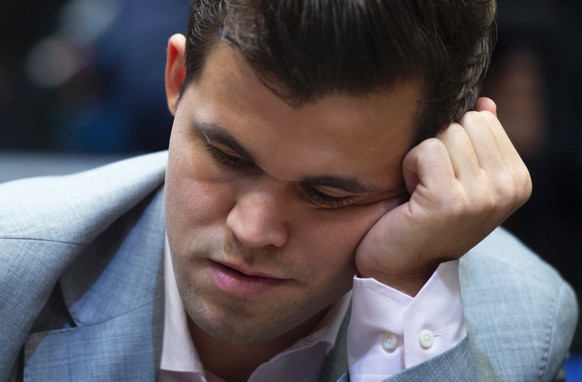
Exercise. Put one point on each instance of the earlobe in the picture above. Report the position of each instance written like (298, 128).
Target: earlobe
(175, 70)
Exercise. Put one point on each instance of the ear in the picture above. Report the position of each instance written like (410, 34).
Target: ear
(175, 70)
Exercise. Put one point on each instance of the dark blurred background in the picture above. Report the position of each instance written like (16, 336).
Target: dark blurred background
(536, 80)
(85, 77)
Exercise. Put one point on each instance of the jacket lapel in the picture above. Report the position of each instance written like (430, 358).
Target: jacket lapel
(113, 292)
(126, 348)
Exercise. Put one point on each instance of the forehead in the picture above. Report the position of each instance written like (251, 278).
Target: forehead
(340, 134)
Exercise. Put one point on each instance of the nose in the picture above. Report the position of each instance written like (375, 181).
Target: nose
(257, 219)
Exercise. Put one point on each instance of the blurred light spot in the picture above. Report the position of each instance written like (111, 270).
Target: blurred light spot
(52, 62)
(83, 21)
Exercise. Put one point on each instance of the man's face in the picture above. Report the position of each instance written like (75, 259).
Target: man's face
(266, 203)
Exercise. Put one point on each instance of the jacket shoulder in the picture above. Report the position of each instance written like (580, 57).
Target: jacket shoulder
(79, 230)
(66, 208)
(520, 312)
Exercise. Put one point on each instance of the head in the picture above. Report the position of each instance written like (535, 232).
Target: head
(291, 122)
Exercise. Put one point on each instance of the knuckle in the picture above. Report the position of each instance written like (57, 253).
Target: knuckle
(454, 203)
(483, 204)
(511, 190)
(503, 184)
(431, 145)
(452, 129)
(525, 181)
(454, 134)
(471, 117)
(427, 150)
(480, 118)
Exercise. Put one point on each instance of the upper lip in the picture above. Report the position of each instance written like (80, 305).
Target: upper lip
(247, 272)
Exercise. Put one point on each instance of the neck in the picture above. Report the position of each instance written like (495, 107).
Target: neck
(234, 362)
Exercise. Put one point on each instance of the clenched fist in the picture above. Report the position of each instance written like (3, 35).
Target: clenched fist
(463, 183)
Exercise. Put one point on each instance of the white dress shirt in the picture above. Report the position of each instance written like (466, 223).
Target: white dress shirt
(388, 332)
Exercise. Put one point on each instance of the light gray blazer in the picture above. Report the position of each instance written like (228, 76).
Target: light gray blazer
(81, 289)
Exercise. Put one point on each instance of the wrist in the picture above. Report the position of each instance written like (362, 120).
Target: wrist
(409, 283)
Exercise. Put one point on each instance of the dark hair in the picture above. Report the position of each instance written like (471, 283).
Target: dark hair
(305, 49)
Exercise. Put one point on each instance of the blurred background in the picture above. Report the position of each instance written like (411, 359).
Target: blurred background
(85, 76)
(81, 83)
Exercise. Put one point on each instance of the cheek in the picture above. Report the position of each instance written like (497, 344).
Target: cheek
(329, 241)
(193, 199)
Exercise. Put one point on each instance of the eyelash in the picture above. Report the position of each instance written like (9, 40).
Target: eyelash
(324, 200)
(315, 196)
(227, 160)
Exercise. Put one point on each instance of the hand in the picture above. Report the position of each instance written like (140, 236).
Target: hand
(463, 183)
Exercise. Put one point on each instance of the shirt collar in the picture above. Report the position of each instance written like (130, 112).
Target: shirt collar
(178, 351)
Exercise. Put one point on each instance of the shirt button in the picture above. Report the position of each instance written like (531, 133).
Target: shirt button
(389, 341)
(426, 339)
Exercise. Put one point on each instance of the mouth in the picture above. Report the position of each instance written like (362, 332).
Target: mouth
(247, 284)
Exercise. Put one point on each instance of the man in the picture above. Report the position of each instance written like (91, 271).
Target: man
(318, 147)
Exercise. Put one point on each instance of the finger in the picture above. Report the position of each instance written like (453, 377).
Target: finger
(504, 143)
(428, 165)
(486, 104)
(485, 142)
(507, 151)
(496, 154)
(460, 150)
(513, 161)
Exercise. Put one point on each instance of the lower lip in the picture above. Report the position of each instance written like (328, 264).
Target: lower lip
(238, 284)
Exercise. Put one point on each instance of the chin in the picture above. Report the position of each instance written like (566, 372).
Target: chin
(237, 334)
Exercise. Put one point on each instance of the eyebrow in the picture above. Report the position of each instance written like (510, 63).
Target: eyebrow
(217, 132)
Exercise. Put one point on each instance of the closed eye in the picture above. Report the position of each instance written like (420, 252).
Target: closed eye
(325, 200)
(228, 160)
